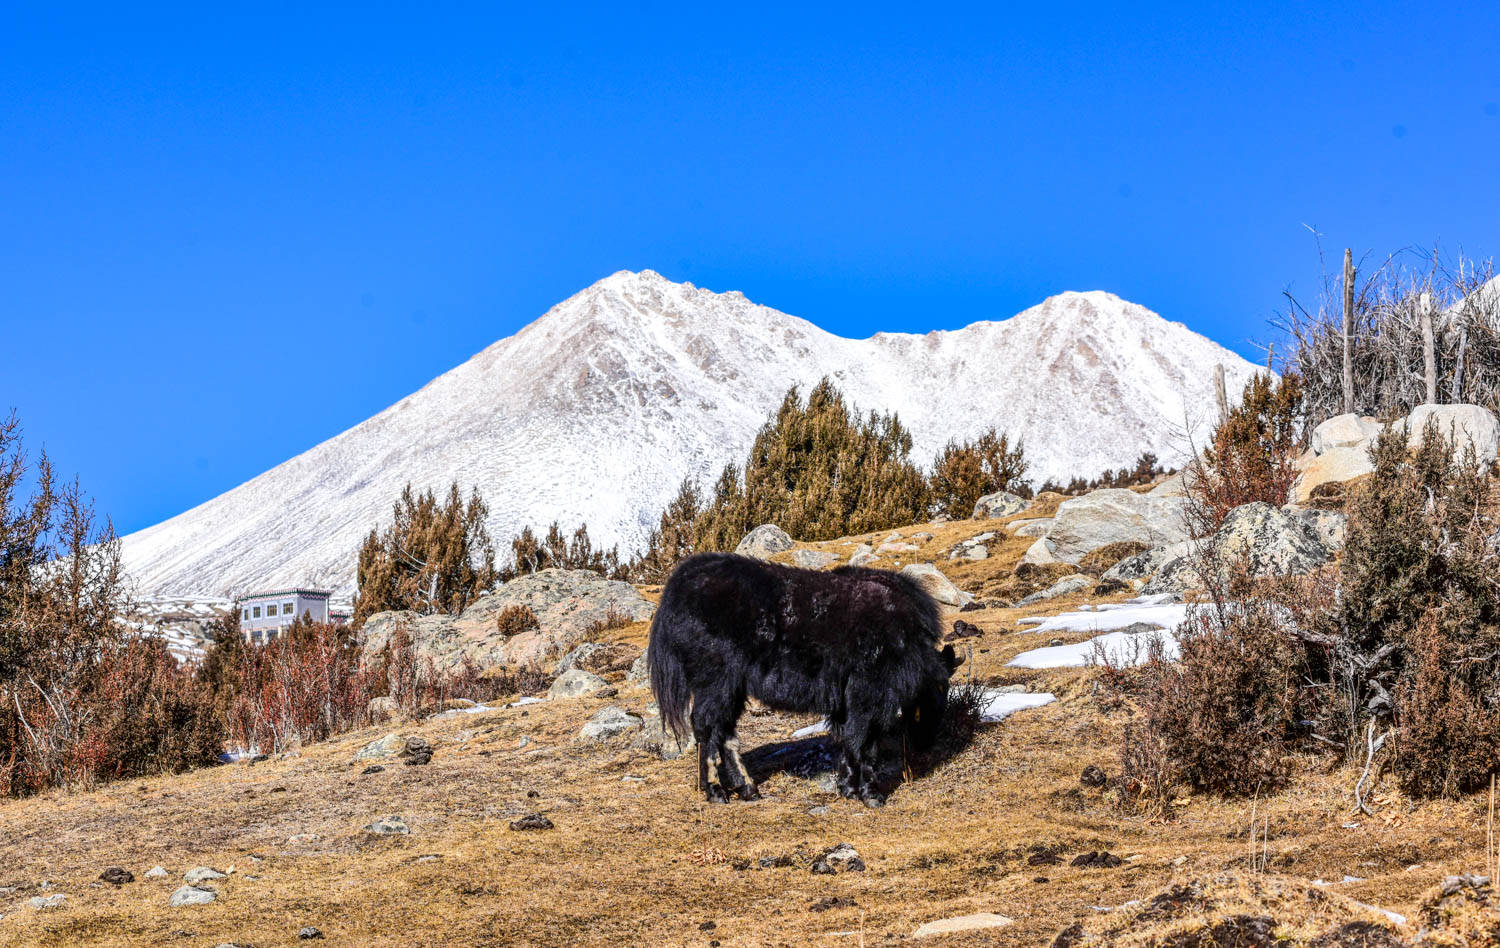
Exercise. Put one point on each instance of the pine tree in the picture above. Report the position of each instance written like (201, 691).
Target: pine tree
(965, 472)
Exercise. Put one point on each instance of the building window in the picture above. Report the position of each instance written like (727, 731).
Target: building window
(255, 612)
(286, 608)
(247, 613)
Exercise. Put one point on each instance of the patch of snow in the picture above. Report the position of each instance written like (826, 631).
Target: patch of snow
(1001, 705)
(820, 727)
(1120, 647)
(521, 701)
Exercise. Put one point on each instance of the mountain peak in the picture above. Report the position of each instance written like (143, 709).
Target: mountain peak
(596, 412)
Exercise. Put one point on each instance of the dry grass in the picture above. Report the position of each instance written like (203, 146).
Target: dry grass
(648, 862)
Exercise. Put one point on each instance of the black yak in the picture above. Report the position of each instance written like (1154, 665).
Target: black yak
(857, 645)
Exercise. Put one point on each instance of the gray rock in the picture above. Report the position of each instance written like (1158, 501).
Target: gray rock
(156, 872)
(385, 747)
(1144, 565)
(863, 559)
(841, 858)
(890, 547)
(1035, 527)
(568, 604)
(575, 683)
(610, 723)
(937, 585)
(193, 895)
(577, 657)
(814, 559)
(764, 541)
(1329, 525)
(1271, 541)
(1333, 466)
(655, 738)
(1468, 425)
(999, 504)
(1114, 515)
(639, 670)
(1078, 582)
(202, 874)
(390, 826)
(1040, 553)
(308, 933)
(43, 903)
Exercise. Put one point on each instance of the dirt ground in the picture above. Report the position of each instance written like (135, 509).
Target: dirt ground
(636, 857)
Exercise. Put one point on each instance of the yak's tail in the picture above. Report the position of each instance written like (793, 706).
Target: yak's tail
(668, 679)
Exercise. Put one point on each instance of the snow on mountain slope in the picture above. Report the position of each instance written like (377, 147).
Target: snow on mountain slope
(597, 410)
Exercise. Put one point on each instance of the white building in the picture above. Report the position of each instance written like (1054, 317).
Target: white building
(267, 615)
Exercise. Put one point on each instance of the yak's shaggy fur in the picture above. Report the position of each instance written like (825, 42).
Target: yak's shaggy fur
(857, 645)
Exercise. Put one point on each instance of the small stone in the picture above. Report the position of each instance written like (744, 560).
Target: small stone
(156, 872)
(841, 858)
(388, 746)
(193, 895)
(1092, 776)
(372, 769)
(533, 821)
(609, 723)
(962, 923)
(575, 683)
(43, 903)
(708, 926)
(1096, 860)
(308, 932)
(390, 826)
(115, 875)
(817, 811)
(201, 874)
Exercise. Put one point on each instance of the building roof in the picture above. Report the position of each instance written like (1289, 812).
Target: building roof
(308, 593)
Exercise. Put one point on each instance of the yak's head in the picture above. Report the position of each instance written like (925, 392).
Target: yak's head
(925, 716)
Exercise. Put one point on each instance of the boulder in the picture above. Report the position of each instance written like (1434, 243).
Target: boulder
(1143, 566)
(1078, 582)
(1035, 527)
(609, 723)
(1343, 431)
(1272, 541)
(42, 903)
(599, 658)
(390, 826)
(575, 683)
(1114, 515)
(764, 541)
(202, 874)
(385, 747)
(1467, 425)
(1040, 553)
(570, 606)
(1329, 525)
(937, 585)
(864, 558)
(639, 670)
(1336, 465)
(814, 559)
(192, 895)
(654, 737)
(999, 504)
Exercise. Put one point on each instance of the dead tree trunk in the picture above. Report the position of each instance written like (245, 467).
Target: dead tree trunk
(1348, 331)
(1429, 356)
(1220, 393)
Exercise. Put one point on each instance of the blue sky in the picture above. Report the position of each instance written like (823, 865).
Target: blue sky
(227, 236)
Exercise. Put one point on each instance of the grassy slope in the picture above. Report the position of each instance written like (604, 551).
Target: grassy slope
(621, 867)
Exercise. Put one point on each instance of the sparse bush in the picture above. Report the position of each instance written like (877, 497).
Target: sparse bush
(613, 619)
(530, 555)
(1252, 454)
(967, 471)
(516, 620)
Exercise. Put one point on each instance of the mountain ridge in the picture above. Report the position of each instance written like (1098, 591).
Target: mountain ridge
(596, 410)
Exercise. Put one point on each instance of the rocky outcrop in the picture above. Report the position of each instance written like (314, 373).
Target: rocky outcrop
(1136, 569)
(1329, 525)
(999, 504)
(1270, 541)
(1113, 515)
(937, 585)
(568, 604)
(1343, 431)
(1036, 527)
(1075, 583)
(764, 541)
(1334, 466)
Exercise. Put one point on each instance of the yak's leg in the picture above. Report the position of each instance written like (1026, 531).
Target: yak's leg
(714, 716)
(861, 739)
(738, 776)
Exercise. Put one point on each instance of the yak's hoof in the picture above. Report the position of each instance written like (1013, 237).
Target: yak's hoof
(749, 792)
(716, 794)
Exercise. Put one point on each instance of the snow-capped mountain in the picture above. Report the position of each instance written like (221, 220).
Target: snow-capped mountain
(596, 411)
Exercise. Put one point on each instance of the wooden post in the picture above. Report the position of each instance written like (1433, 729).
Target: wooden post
(1271, 357)
(1429, 357)
(1219, 391)
(1348, 331)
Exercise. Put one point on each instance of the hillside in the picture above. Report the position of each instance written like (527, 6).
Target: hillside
(637, 857)
(598, 409)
